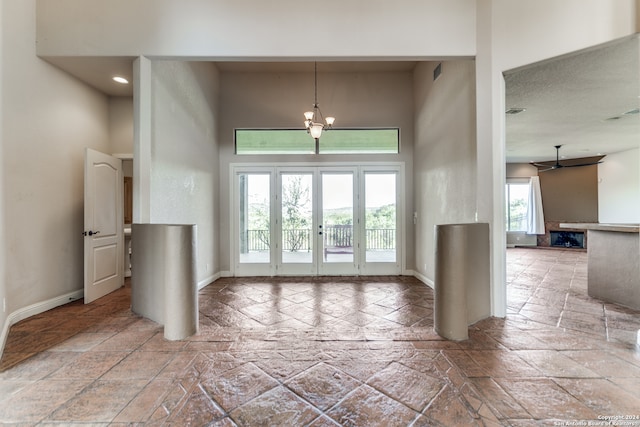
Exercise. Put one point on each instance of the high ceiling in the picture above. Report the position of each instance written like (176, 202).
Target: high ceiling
(586, 101)
(98, 71)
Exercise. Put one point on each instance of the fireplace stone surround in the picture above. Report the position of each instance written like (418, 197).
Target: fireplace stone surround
(544, 240)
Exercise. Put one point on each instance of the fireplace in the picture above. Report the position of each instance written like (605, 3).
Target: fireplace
(566, 239)
(544, 240)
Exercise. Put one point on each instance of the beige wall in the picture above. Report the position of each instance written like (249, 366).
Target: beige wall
(444, 153)
(619, 188)
(570, 194)
(520, 170)
(233, 29)
(276, 100)
(48, 120)
(184, 178)
(121, 124)
(3, 288)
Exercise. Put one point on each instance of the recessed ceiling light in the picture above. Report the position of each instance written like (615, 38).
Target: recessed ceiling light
(120, 79)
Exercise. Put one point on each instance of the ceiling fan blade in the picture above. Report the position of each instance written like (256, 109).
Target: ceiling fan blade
(582, 164)
(559, 165)
(543, 165)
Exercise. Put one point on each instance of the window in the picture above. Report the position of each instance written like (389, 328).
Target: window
(335, 141)
(368, 141)
(517, 198)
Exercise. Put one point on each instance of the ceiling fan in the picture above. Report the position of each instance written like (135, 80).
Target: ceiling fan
(558, 165)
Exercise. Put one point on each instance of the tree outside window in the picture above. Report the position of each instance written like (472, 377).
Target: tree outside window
(517, 198)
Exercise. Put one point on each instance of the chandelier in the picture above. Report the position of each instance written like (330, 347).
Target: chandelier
(313, 120)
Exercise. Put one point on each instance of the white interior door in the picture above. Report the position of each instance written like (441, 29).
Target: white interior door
(103, 224)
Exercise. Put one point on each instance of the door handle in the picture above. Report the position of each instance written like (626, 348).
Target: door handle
(90, 233)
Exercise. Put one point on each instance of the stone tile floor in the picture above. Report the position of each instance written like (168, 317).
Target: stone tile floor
(332, 351)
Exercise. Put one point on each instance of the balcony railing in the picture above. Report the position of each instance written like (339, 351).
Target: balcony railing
(335, 236)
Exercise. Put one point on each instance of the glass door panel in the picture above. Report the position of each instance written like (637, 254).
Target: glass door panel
(337, 217)
(296, 218)
(339, 240)
(255, 218)
(380, 217)
(307, 220)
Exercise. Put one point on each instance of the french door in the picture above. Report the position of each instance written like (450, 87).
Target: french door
(316, 220)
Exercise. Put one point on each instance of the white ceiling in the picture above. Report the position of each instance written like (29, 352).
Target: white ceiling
(578, 101)
(99, 71)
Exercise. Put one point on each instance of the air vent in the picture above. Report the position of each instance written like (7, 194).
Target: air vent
(513, 111)
(437, 71)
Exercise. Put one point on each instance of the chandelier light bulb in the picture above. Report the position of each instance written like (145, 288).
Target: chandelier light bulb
(308, 115)
(330, 121)
(316, 130)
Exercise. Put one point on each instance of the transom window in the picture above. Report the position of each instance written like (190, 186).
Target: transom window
(336, 141)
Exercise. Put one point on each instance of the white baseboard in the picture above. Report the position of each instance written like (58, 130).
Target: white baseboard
(207, 281)
(424, 279)
(34, 309)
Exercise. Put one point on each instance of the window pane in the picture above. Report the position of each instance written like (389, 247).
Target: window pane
(517, 203)
(297, 218)
(337, 217)
(370, 141)
(255, 212)
(274, 141)
(334, 141)
(380, 217)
